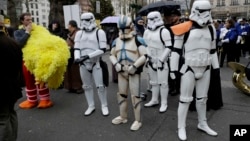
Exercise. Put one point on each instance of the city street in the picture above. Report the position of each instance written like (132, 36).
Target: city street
(65, 121)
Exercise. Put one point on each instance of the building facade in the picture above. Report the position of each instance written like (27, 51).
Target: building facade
(39, 10)
(230, 8)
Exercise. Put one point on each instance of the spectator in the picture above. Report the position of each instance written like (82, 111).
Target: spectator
(11, 60)
(72, 79)
(55, 28)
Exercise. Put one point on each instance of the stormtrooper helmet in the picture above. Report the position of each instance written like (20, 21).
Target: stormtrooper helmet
(154, 20)
(201, 12)
(125, 26)
(88, 21)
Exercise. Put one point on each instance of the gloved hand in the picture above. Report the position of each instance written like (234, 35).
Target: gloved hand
(173, 74)
(244, 33)
(118, 67)
(160, 65)
(225, 41)
(77, 61)
(152, 60)
(82, 59)
(132, 69)
(238, 40)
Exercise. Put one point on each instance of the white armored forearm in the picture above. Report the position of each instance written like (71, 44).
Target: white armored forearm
(140, 61)
(96, 53)
(77, 53)
(215, 62)
(112, 57)
(165, 54)
(174, 61)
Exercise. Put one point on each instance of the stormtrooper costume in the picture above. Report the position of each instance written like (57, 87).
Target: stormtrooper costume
(90, 45)
(128, 55)
(199, 53)
(158, 41)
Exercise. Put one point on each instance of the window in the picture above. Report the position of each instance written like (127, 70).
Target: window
(247, 2)
(36, 6)
(234, 2)
(37, 20)
(218, 2)
(37, 13)
(31, 5)
(223, 2)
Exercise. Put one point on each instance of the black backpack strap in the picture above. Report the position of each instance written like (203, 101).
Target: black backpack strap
(171, 34)
(186, 37)
(211, 31)
(97, 37)
(161, 36)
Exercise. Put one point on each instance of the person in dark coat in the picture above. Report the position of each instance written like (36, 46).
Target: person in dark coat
(11, 62)
(55, 28)
(72, 79)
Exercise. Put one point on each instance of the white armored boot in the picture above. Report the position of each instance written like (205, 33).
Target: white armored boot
(164, 99)
(201, 108)
(136, 101)
(155, 95)
(123, 105)
(102, 93)
(182, 116)
(89, 94)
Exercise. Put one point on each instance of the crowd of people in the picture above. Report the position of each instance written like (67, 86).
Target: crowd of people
(178, 59)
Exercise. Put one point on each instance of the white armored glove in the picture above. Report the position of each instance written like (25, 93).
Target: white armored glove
(132, 69)
(225, 41)
(238, 39)
(244, 33)
(118, 67)
(172, 75)
(160, 65)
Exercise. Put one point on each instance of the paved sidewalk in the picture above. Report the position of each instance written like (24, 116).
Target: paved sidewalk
(65, 120)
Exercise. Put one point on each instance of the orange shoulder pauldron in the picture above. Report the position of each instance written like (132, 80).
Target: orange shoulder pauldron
(182, 28)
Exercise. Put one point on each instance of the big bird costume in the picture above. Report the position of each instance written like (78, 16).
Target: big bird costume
(45, 58)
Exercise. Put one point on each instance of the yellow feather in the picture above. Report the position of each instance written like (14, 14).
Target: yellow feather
(46, 56)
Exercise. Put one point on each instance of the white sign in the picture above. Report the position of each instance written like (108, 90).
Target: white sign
(71, 12)
(98, 7)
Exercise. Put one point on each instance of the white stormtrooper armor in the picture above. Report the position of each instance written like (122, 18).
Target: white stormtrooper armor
(158, 41)
(201, 12)
(199, 53)
(89, 49)
(128, 55)
(88, 21)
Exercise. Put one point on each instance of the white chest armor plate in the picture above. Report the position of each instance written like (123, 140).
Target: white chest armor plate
(197, 48)
(127, 52)
(155, 46)
(88, 44)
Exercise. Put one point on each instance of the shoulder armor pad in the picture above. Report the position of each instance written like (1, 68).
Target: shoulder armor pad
(113, 43)
(182, 28)
(141, 41)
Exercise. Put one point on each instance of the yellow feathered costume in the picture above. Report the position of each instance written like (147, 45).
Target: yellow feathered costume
(46, 56)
